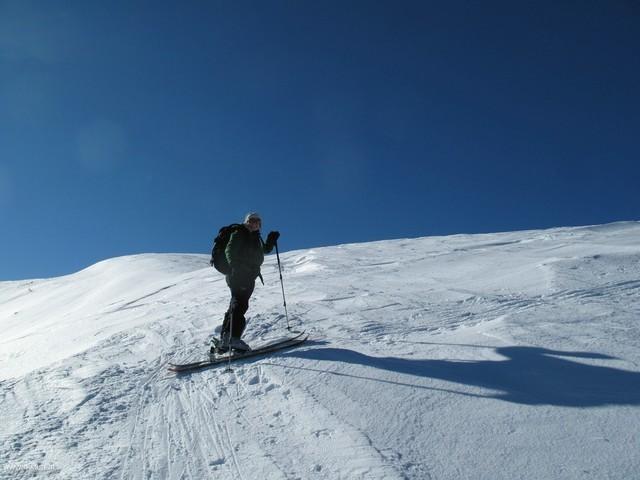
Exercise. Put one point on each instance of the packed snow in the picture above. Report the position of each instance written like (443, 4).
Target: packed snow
(498, 356)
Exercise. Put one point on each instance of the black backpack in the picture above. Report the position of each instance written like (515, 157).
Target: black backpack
(218, 257)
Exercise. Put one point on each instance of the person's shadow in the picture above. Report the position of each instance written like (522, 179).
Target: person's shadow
(529, 375)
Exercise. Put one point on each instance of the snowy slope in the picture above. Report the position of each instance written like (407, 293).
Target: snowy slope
(502, 356)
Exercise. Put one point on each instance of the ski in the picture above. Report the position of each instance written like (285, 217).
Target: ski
(261, 350)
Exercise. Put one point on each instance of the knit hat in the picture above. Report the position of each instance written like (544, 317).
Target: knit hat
(251, 216)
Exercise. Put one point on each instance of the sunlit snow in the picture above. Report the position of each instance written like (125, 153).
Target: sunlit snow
(498, 356)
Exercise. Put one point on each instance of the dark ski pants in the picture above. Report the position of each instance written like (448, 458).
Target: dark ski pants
(234, 320)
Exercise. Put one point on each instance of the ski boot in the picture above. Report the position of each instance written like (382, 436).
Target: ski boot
(239, 345)
(219, 345)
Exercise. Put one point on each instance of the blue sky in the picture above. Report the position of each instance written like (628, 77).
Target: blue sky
(129, 127)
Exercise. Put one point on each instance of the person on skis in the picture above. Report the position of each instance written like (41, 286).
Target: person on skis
(245, 254)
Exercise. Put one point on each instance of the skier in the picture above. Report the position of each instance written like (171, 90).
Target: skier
(245, 253)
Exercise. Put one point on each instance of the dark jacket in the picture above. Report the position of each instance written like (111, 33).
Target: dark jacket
(245, 254)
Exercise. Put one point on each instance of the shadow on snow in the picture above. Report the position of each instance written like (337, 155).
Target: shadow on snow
(529, 375)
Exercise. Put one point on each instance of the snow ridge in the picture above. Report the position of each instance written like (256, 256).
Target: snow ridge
(501, 356)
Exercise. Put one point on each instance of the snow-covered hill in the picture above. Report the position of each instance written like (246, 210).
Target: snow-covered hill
(502, 356)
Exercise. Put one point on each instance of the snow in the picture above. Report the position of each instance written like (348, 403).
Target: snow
(497, 356)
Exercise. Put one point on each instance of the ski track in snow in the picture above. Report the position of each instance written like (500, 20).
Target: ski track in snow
(498, 356)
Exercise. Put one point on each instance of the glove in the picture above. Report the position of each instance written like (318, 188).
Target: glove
(272, 238)
(211, 262)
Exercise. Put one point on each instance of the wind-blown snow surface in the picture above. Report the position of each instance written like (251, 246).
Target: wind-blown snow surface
(503, 356)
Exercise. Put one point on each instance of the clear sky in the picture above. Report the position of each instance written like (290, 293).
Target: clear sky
(144, 126)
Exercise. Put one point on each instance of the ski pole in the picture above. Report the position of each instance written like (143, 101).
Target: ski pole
(229, 336)
(229, 369)
(284, 299)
